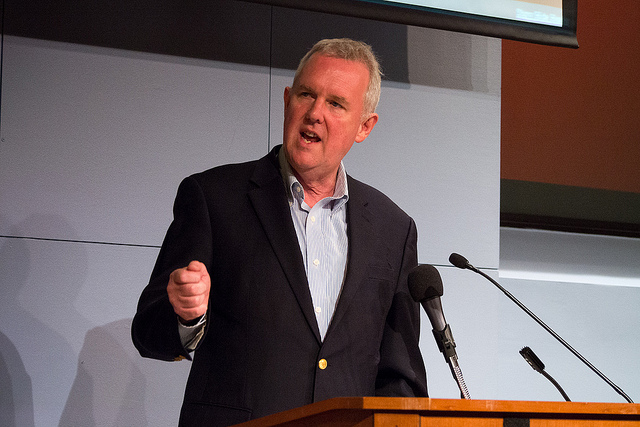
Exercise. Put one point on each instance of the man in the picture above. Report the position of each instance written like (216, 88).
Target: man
(287, 276)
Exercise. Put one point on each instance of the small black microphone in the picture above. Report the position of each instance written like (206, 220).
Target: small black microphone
(461, 262)
(538, 366)
(425, 287)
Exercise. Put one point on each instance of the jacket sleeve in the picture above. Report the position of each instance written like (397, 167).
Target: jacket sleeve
(401, 370)
(154, 329)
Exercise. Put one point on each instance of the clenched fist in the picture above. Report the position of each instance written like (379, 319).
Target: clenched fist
(188, 291)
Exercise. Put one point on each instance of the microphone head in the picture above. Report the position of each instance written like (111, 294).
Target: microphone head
(532, 359)
(459, 261)
(425, 283)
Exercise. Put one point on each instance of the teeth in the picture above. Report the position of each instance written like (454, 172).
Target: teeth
(308, 135)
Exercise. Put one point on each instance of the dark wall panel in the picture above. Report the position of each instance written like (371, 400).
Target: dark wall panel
(222, 30)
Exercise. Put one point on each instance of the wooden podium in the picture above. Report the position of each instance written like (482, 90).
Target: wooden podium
(405, 412)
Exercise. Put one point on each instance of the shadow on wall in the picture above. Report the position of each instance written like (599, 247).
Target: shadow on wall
(16, 396)
(33, 311)
(109, 387)
(16, 393)
(111, 383)
(44, 374)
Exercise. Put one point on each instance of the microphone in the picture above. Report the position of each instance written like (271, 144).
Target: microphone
(425, 287)
(538, 366)
(461, 262)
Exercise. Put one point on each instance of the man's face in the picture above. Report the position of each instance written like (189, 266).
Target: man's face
(323, 115)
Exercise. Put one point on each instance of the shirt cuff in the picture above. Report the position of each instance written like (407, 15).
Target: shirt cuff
(190, 335)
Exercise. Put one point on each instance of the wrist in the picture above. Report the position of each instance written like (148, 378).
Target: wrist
(190, 323)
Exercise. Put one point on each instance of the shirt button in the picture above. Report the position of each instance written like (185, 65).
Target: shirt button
(313, 219)
(322, 364)
(316, 262)
(318, 310)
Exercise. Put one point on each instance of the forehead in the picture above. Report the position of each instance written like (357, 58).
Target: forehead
(334, 72)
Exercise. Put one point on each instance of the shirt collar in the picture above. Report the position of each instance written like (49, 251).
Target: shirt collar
(340, 192)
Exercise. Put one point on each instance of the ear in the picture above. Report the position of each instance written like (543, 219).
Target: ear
(366, 127)
(287, 93)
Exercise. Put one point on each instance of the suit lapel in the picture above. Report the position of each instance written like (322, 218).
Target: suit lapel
(270, 202)
(361, 235)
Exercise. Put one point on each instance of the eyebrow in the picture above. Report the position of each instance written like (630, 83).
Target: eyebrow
(339, 99)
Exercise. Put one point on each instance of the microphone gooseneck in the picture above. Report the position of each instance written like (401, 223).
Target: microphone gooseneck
(461, 262)
(425, 287)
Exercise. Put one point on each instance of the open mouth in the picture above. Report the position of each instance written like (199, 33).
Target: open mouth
(310, 137)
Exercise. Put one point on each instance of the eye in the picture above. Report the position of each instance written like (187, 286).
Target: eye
(335, 104)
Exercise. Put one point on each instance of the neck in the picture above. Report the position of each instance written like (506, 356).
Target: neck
(318, 188)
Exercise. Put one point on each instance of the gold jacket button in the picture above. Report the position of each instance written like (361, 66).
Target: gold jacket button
(322, 364)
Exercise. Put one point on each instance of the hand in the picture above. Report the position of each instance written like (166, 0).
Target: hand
(188, 291)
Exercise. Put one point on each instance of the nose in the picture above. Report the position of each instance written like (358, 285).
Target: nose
(315, 112)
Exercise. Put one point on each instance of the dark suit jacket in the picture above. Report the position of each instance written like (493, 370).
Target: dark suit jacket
(262, 347)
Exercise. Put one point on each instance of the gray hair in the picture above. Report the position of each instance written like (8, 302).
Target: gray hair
(350, 50)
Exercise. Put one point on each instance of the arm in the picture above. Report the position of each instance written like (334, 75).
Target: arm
(175, 290)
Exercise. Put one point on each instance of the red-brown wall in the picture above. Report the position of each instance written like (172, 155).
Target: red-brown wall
(572, 117)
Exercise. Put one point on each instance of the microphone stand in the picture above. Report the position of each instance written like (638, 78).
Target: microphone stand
(447, 347)
(461, 262)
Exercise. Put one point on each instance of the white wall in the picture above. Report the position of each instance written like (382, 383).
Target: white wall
(587, 289)
(94, 143)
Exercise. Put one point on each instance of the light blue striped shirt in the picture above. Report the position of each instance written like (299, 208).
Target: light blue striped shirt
(322, 235)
